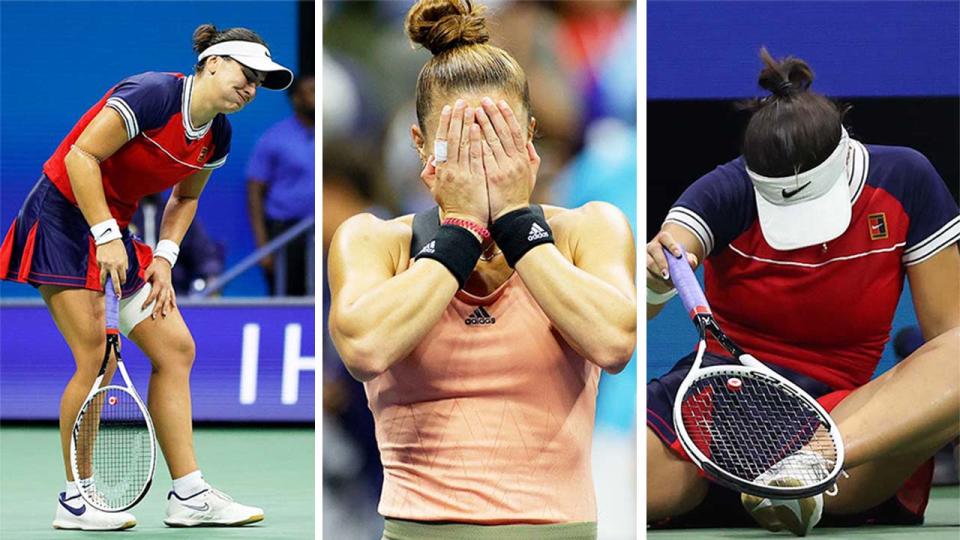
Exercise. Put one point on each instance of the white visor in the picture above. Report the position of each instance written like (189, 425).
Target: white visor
(255, 56)
(809, 208)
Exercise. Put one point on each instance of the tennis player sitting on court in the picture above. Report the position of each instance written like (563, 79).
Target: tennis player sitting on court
(480, 326)
(148, 133)
(806, 239)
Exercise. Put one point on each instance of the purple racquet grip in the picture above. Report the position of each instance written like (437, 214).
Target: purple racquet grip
(686, 283)
(113, 306)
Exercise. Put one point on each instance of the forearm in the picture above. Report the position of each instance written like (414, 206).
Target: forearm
(87, 184)
(385, 323)
(595, 318)
(258, 222)
(177, 217)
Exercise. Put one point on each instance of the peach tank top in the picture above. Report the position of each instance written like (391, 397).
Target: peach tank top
(489, 420)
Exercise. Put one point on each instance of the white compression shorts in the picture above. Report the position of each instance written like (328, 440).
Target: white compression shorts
(130, 313)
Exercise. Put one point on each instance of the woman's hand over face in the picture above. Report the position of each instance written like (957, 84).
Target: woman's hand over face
(509, 159)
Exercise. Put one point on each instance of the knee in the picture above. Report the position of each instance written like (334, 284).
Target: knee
(88, 356)
(944, 349)
(674, 486)
(950, 340)
(178, 355)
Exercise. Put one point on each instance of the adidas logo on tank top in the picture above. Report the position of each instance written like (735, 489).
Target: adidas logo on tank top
(480, 316)
(536, 233)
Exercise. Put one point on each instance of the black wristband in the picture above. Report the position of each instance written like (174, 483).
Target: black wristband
(455, 248)
(518, 232)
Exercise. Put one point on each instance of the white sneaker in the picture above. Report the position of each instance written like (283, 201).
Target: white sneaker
(209, 507)
(798, 516)
(75, 513)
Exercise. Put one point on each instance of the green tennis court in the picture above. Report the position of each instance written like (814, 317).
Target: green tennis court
(942, 523)
(268, 467)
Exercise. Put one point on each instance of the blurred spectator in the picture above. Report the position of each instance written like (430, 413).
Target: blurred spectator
(201, 257)
(280, 187)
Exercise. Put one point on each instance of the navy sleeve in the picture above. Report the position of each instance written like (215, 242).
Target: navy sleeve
(145, 101)
(934, 218)
(716, 208)
(222, 133)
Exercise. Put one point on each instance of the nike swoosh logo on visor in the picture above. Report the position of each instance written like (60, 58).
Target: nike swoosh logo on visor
(787, 194)
(75, 511)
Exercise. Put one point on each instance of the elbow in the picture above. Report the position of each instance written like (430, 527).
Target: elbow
(362, 363)
(75, 163)
(614, 355)
(362, 358)
(362, 372)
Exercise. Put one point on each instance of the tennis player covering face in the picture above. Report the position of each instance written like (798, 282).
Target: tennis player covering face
(480, 326)
(148, 133)
(806, 240)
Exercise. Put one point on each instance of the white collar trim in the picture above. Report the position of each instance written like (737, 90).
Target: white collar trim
(191, 132)
(858, 163)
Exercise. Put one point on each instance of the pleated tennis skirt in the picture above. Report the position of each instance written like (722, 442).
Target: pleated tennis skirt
(49, 243)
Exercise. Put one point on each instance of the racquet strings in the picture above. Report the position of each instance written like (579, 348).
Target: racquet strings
(748, 429)
(113, 449)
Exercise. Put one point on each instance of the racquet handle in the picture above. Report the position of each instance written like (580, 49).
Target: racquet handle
(686, 283)
(113, 306)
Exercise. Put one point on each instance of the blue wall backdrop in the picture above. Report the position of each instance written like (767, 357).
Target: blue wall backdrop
(709, 49)
(255, 361)
(60, 57)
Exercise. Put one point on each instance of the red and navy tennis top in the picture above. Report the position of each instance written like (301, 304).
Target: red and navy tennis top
(826, 310)
(163, 148)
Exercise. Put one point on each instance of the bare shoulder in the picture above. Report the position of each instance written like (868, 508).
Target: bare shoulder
(596, 229)
(365, 236)
(592, 215)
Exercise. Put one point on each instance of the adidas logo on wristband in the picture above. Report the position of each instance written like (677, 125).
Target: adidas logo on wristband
(480, 316)
(536, 233)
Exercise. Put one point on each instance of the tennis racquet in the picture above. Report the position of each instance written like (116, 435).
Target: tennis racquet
(746, 426)
(112, 450)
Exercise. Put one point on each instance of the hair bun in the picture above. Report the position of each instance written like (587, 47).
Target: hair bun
(784, 77)
(203, 37)
(441, 25)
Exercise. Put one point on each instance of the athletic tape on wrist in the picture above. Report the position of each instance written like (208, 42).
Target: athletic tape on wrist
(518, 232)
(106, 231)
(655, 299)
(169, 250)
(455, 248)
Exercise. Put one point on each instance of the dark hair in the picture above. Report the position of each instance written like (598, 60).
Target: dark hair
(794, 129)
(207, 34)
(455, 31)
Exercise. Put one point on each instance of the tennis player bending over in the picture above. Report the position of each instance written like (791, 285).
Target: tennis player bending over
(481, 351)
(150, 132)
(806, 240)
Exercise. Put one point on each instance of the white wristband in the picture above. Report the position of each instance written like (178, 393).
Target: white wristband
(105, 231)
(654, 298)
(169, 250)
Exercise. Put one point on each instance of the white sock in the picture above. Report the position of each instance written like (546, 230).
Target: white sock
(189, 484)
(71, 490)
